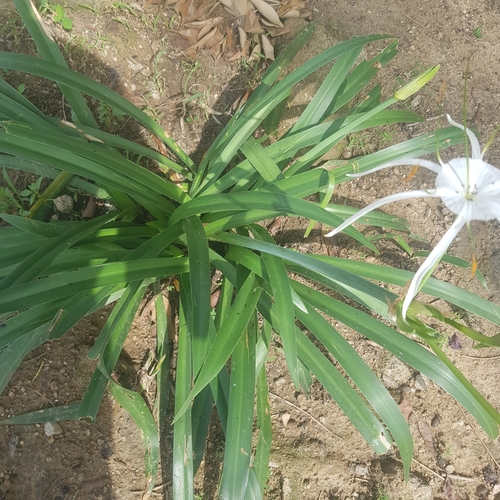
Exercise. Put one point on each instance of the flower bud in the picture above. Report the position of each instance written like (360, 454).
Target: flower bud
(416, 84)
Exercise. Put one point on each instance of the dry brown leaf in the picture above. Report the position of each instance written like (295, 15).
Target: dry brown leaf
(406, 407)
(243, 37)
(267, 48)
(228, 5)
(217, 39)
(256, 53)
(285, 418)
(290, 5)
(252, 24)
(229, 37)
(203, 41)
(241, 6)
(290, 14)
(190, 34)
(206, 29)
(425, 431)
(449, 493)
(205, 9)
(233, 55)
(188, 9)
(274, 31)
(91, 209)
(267, 11)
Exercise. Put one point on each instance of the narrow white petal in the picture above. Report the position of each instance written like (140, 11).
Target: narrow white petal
(376, 204)
(476, 148)
(404, 161)
(431, 261)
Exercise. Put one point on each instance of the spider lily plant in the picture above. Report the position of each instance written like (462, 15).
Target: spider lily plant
(54, 274)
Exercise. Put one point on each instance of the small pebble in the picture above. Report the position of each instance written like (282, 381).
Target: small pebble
(420, 383)
(52, 428)
(63, 204)
(361, 470)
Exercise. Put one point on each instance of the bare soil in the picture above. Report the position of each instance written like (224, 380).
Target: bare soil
(317, 454)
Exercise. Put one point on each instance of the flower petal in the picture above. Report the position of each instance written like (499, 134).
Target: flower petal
(431, 261)
(404, 161)
(476, 149)
(388, 199)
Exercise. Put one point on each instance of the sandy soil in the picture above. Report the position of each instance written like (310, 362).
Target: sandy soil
(317, 454)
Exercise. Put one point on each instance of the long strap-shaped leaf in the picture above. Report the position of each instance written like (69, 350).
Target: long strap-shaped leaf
(336, 385)
(280, 204)
(282, 294)
(367, 382)
(252, 116)
(81, 83)
(183, 432)
(451, 293)
(282, 151)
(59, 286)
(200, 284)
(40, 259)
(361, 290)
(232, 328)
(409, 351)
(271, 75)
(238, 449)
(49, 50)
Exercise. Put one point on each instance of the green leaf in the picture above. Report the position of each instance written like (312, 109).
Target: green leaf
(370, 386)
(52, 414)
(88, 86)
(238, 449)
(317, 110)
(263, 449)
(38, 261)
(232, 328)
(49, 50)
(136, 407)
(12, 356)
(183, 438)
(200, 288)
(67, 23)
(282, 293)
(261, 161)
(408, 351)
(58, 286)
(446, 291)
(279, 204)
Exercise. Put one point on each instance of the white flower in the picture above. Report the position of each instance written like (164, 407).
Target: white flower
(469, 187)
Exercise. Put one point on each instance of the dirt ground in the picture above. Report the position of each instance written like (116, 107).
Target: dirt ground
(317, 454)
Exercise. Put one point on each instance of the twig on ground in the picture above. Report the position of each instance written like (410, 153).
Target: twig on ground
(308, 414)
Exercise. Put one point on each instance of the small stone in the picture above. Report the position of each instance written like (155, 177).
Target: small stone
(286, 489)
(361, 470)
(52, 428)
(63, 203)
(415, 102)
(450, 469)
(5, 486)
(420, 383)
(396, 373)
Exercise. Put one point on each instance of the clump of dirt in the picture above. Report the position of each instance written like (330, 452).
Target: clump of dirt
(317, 453)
